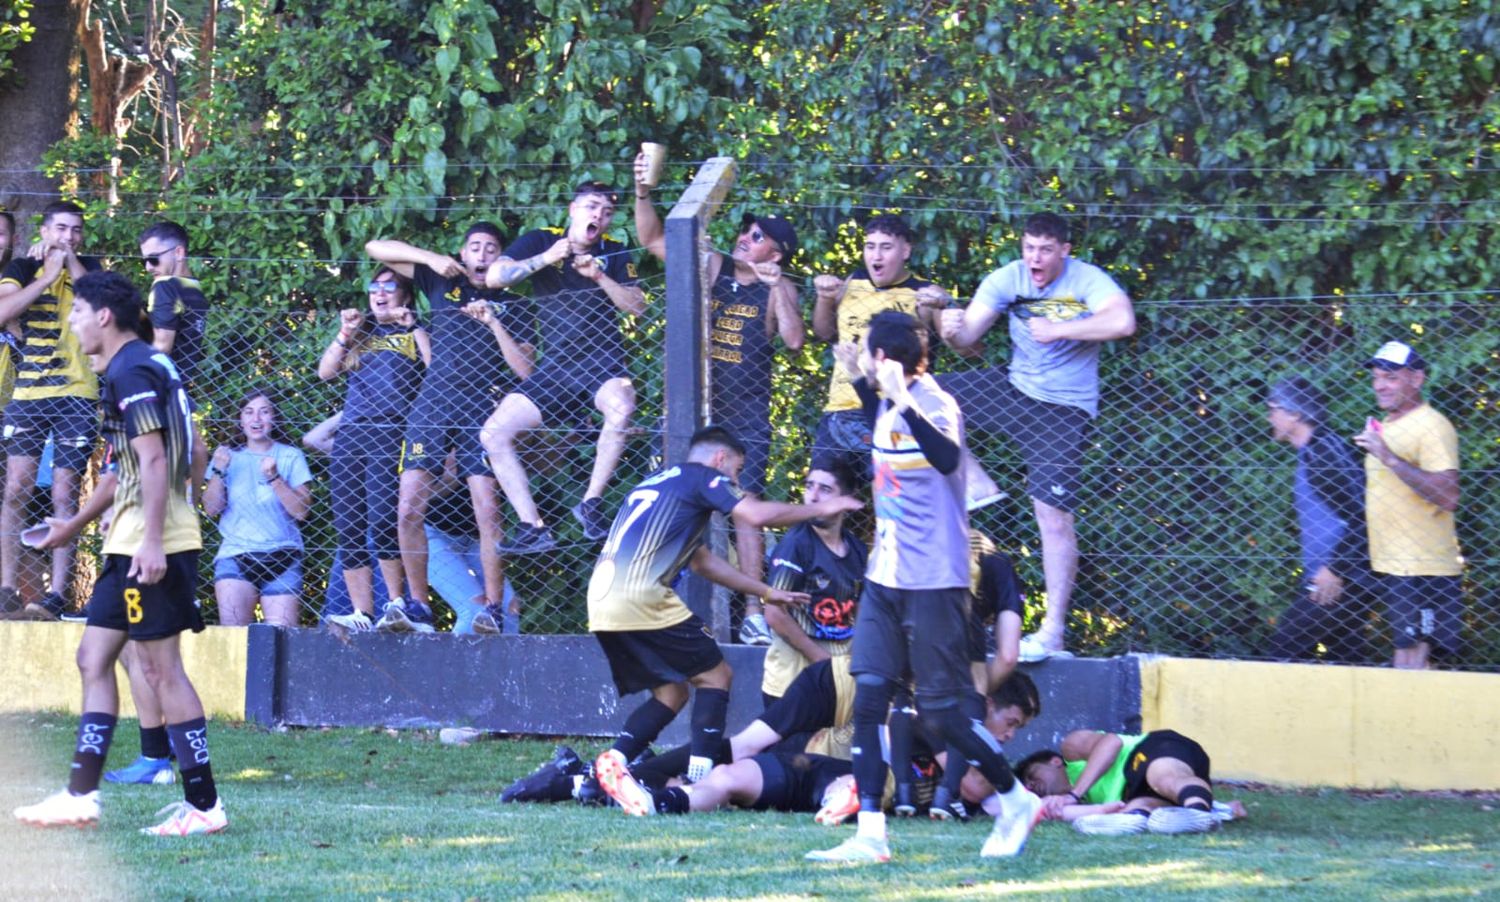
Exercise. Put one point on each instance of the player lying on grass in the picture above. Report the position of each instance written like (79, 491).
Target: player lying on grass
(1161, 777)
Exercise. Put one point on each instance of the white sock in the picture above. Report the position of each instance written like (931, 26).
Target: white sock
(698, 768)
(992, 805)
(871, 825)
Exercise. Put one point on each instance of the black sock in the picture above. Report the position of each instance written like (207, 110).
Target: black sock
(900, 728)
(953, 774)
(872, 704)
(966, 733)
(673, 800)
(154, 742)
(190, 741)
(642, 727)
(1198, 797)
(710, 709)
(95, 730)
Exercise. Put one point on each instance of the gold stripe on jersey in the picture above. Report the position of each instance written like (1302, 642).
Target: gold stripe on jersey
(168, 416)
(51, 364)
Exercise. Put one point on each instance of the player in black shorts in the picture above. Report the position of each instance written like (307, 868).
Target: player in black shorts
(653, 642)
(483, 344)
(1162, 777)
(146, 587)
(580, 279)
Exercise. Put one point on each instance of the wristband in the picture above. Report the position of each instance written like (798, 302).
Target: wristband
(1073, 795)
(273, 479)
(339, 340)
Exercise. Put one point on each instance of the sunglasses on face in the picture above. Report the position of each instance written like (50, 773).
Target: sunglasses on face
(152, 259)
(382, 287)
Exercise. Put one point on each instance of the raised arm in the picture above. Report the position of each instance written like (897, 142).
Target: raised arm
(648, 225)
(830, 293)
(403, 258)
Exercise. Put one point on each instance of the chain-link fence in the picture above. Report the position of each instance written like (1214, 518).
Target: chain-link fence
(1188, 510)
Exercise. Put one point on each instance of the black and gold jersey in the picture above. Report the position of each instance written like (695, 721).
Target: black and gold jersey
(143, 393)
(50, 364)
(177, 303)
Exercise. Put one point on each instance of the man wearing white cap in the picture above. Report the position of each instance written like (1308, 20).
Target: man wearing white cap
(1411, 492)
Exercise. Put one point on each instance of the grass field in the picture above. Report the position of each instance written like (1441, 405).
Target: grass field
(348, 813)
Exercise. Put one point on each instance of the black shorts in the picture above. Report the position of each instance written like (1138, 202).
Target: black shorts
(921, 632)
(1160, 744)
(157, 611)
(562, 391)
(71, 422)
(796, 781)
(809, 704)
(443, 419)
(1051, 436)
(843, 436)
(644, 659)
(1424, 609)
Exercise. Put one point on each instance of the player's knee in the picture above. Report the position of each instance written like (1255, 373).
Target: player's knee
(872, 698)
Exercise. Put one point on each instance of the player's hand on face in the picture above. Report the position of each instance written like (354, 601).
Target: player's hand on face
(350, 320)
(53, 262)
(769, 273)
(220, 459)
(891, 378)
(587, 266)
(268, 467)
(148, 565)
(447, 267)
(950, 321)
(783, 598)
(828, 286)
(37, 251)
(479, 310)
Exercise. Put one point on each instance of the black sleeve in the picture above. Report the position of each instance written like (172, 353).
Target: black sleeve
(163, 305)
(869, 401)
(529, 245)
(141, 393)
(1336, 477)
(940, 450)
(999, 591)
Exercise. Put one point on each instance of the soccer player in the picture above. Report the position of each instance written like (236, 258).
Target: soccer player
(751, 306)
(146, 587)
(483, 342)
(55, 394)
(653, 642)
(914, 612)
(1060, 310)
(1162, 777)
(842, 312)
(177, 306)
(580, 278)
(826, 560)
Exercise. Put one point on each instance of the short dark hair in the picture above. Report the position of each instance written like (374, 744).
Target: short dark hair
(484, 227)
(1041, 756)
(115, 293)
(900, 338)
(716, 436)
(1047, 225)
(166, 230)
(60, 206)
(596, 187)
(1018, 690)
(842, 473)
(892, 225)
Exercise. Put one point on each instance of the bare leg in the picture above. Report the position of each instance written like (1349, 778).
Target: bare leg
(616, 400)
(147, 707)
(96, 665)
(1168, 777)
(237, 599)
(1060, 567)
(20, 479)
(483, 492)
(394, 577)
(281, 610)
(411, 510)
(1414, 658)
(163, 666)
(64, 504)
(360, 583)
(740, 783)
(515, 416)
(752, 740)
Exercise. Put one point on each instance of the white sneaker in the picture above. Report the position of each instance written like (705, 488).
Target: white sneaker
(185, 820)
(1034, 648)
(357, 622)
(754, 630)
(1120, 824)
(1174, 820)
(613, 774)
(395, 620)
(1018, 817)
(62, 809)
(854, 850)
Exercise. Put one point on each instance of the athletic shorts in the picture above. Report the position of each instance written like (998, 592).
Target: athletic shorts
(644, 659)
(1051, 436)
(843, 436)
(1424, 608)
(564, 391)
(809, 704)
(796, 782)
(921, 632)
(1160, 744)
(443, 420)
(72, 423)
(164, 608)
(276, 572)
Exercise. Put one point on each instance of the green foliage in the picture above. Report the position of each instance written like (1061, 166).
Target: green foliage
(15, 30)
(1281, 187)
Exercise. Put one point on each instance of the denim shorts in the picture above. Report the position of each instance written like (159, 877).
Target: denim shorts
(276, 572)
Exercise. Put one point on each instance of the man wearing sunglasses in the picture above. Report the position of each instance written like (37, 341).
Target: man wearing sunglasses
(751, 307)
(1060, 310)
(56, 393)
(178, 308)
(580, 279)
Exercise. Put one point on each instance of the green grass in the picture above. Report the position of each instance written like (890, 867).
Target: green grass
(371, 814)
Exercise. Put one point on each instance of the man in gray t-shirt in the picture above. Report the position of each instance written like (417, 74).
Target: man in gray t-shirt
(1059, 309)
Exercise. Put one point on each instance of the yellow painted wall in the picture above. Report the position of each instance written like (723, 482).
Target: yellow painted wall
(1313, 725)
(37, 669)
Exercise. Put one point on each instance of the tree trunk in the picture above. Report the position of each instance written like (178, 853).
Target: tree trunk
(38, 105)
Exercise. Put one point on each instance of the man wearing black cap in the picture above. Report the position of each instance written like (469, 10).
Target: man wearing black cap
(751, 305)
(580, 279)
(844, 309)
(1329, 495)
(1411, 492)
